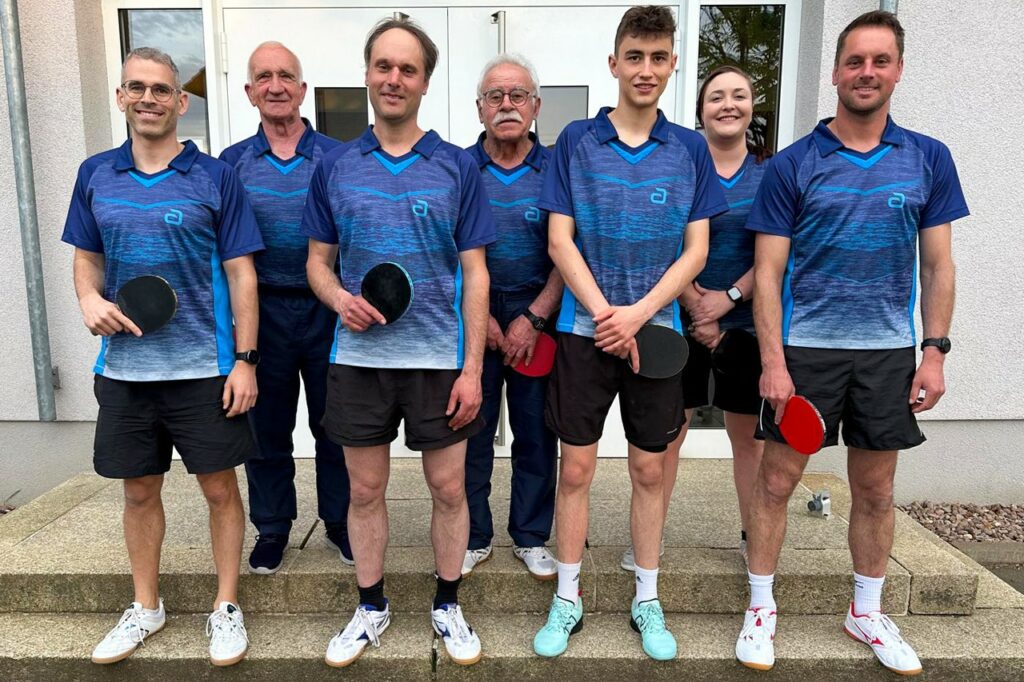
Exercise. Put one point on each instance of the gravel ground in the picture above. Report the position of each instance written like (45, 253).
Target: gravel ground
(970, 522)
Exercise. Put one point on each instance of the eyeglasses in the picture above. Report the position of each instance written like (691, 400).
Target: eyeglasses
(137, 90)
(495, 97)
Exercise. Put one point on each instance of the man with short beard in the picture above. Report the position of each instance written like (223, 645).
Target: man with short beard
(525, 289)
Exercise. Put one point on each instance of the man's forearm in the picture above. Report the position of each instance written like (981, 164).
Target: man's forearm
(548, 298)
(768, 314)
(679, 275)
(476, 312)
(88, 274)
(577, 275)
(938, 295)
(244, 303)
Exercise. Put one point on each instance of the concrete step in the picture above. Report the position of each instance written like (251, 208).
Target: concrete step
(64, 552)
(988, 646)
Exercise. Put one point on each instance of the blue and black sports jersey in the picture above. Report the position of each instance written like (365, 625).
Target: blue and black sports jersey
(418, 210)
(180, 224)
(631, 207)
(853, 218)
(519, 260)
(731, 249)
(277, 192)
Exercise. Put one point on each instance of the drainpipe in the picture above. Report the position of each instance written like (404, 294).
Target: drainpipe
(889, 6)
(17, 110)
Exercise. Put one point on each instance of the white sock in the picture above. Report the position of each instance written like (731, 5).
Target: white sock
(867, 594)
(646, 584)
(151, 612)
(761, 591)
(569, 581)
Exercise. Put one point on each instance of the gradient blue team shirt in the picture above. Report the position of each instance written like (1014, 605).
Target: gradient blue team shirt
(519, 260)
(277, 192)
(853, 218)
(418, 210)
(631, 207)
(180, 224)
(731, 249)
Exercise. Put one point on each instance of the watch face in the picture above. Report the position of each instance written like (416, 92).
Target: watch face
(734, 294)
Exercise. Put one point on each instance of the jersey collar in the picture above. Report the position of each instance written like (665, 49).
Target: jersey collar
(827, 143)
(424, 146)
(261, 145)
(606, 130)
(181, 163)
(533, 158)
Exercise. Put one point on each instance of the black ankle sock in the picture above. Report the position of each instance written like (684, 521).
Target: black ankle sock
(373, 595)
(447, 591)
(743, 535)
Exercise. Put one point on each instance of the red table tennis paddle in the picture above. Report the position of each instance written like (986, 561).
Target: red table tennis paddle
(802, 426)
(543, 358)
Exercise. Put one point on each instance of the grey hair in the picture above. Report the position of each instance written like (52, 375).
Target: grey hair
(515, 59)
(154, 55)
(272, 43)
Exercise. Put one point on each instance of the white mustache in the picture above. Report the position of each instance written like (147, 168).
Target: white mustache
(503, 116)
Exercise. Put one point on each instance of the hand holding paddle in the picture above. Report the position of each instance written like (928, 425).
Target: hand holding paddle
(776, 386)
(104, 318)
(519, 341)
(541, 359)
(356, 314)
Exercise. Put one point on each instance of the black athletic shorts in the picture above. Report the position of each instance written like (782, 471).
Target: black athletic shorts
(739, 394)
(365, 405)
(585, 381)
(140, 422)
(866, 391)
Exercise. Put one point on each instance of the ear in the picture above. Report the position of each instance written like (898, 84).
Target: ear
(899, 70)
(675, 60)
(480, 110)
(249, 94)
(613, 64)
(302, 92)
(122, 103)
(835, 75)
(182, 103)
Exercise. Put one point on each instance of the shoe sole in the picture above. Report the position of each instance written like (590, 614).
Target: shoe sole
(225, 662)
(327, 541)
(345, 663)
(121, 657)
(763, 667)
(465, 661)
(575, 628)
(905, 673)
(486, 558)
(262, 570)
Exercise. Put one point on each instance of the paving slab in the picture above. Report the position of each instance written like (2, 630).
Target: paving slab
(941, 583)
(21, 523)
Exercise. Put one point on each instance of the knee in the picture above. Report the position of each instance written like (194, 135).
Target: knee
(140, 493)
(778, 484)
(220, 493)
(575, 476)
(448, 491)
(875, 500)
(366, 492)
(647, 471)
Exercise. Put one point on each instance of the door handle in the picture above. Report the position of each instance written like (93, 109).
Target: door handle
(499, 19)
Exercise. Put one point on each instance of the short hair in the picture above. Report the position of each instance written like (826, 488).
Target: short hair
(515, 59)
(878, 18)
(647, 21)
(426, 44)
(154, 55)
(272, 43)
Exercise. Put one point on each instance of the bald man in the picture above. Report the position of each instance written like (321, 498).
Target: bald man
(296, 333)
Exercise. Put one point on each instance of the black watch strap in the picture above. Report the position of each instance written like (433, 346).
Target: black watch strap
(250, 356)
(539, 323)
(942, 343)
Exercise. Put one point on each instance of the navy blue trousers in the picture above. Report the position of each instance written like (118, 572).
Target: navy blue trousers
(534, 446)
(295, 337)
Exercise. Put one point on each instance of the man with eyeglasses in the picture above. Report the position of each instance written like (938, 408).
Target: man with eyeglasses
(155, 206)
(296, 330)
(525, 289)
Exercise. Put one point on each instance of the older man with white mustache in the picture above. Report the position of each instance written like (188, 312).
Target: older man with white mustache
(525, 290)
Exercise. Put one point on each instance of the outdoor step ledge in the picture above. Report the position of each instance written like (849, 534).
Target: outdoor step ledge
(985, 647)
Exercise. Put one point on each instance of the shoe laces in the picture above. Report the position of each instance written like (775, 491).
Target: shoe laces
(365, 622)
(458, 629)
(130, 626)
(884, 629)
(653, 616)
(224, 624)
(479, 553)
(561, 614)
(540, 552)
(756, 629)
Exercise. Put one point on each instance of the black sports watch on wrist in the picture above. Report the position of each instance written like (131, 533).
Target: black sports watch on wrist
(942, 343)
(539, 323)
(250, 356)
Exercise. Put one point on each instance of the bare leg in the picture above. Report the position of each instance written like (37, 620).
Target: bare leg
(572, 500)
(746, 458)
(368, 473)
(647, 512)
(781, 468)
(872, 517)
(227, 529)
(670, 463)
(445, 471)
(144, 535)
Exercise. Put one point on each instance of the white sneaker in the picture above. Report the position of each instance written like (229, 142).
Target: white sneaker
(755, 647)
(462, 644)
(130, 632)
(538, 560)
(475, 557)
(879, 632)
(228, 639)
(366, 627)
(628, 561)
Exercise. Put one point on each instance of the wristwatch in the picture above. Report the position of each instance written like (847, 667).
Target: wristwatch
(538, 322)
(250, 356)
(942, 343)
(735, 295)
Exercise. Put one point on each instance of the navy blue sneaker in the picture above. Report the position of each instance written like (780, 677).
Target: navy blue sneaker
(337, 539)
(267, 555)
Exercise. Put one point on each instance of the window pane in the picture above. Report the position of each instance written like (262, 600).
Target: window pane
(179, 33)
(750, 37)
(341, 113)
(562, 104)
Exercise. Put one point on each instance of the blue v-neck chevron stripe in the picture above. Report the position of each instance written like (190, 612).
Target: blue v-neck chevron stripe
(731, 249)
(519, 260)
(853, 219)
(631, 208)
(420, 215)
(180, 224)
(277, 192)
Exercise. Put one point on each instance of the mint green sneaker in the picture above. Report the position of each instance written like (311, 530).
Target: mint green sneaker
(564, 619)
(648, 619)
